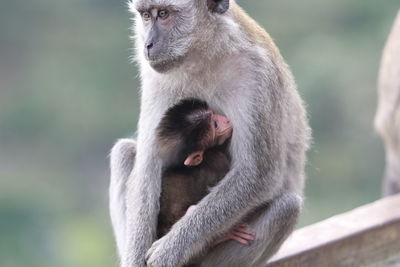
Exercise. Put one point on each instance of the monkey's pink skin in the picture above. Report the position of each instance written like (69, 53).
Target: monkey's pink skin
(240, 233)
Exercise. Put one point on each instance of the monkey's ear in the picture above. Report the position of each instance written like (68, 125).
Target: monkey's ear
(194, 159)
(218, 6)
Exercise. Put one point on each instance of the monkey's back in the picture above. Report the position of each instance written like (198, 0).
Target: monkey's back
(185, 186)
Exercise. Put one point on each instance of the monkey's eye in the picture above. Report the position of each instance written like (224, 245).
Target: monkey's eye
(216, 124)
(163, 13)
(146, 15)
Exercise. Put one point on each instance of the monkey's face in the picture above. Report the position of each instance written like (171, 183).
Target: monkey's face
(168, 29)
(165, 30)
(221, 129)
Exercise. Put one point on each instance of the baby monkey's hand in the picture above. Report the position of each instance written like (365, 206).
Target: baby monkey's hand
(240, 233)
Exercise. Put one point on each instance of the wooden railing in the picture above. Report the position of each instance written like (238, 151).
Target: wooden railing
(366, 236)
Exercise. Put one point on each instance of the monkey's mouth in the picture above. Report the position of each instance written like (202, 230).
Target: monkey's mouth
(152, 57)
(225, 135)
(162, 65)
(153, 61)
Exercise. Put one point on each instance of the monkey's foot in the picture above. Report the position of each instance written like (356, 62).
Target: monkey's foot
(240, 233)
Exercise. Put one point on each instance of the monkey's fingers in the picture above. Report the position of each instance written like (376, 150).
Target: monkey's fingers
(246, 236)
(244, 230)
(239, 239)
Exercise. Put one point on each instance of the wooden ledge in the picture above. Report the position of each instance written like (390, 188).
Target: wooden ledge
(366, 236)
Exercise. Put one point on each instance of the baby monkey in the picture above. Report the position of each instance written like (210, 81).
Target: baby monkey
(192, 142)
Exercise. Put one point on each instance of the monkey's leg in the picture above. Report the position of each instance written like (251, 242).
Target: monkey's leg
(122, 160)
(271, 225)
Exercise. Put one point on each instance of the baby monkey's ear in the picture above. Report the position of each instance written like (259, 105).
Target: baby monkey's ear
(194, 159)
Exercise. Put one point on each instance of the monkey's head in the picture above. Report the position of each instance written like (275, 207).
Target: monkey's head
(166, 30)
(187, 130)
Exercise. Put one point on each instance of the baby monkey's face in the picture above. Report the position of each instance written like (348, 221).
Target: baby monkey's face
(221, 129)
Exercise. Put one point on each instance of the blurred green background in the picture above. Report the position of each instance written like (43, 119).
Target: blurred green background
(68, 92)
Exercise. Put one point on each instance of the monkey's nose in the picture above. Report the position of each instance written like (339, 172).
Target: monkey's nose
(148, 48)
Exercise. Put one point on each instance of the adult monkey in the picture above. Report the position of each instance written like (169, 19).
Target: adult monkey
(211, 50)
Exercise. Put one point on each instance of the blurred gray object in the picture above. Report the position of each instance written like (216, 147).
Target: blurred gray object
(387, 120)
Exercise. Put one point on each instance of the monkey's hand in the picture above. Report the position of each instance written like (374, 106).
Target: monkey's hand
(239, 233)
(162, 254)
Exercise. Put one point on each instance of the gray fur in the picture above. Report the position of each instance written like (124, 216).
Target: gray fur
(244, 78)
(121, 164)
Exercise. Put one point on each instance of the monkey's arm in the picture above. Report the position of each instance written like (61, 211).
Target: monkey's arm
(143, 191)
(144, 185)
(122, 160)
(240, 233)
